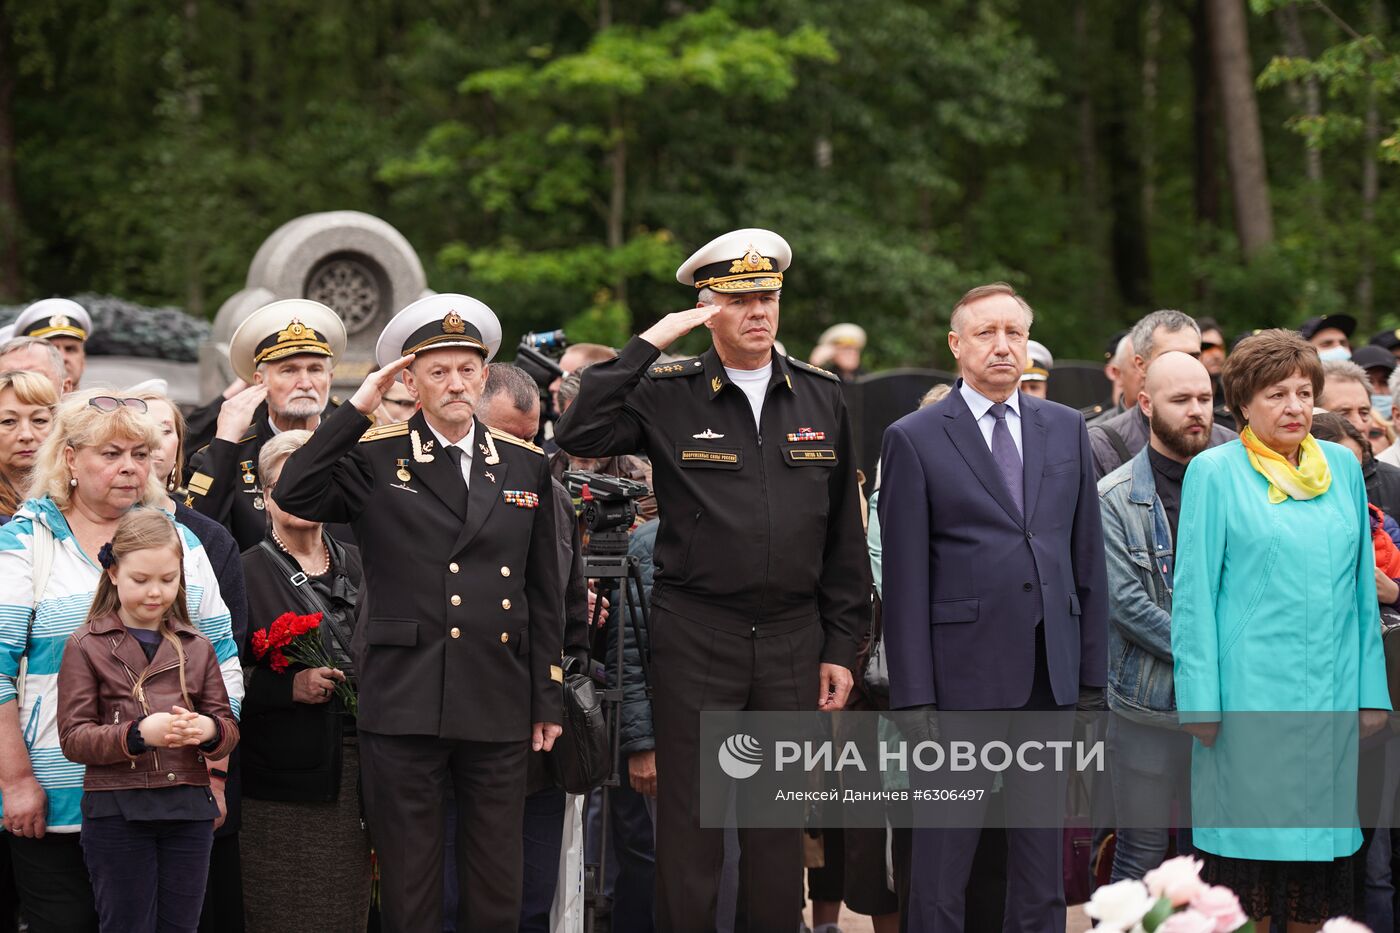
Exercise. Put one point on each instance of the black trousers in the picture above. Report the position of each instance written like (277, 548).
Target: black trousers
(405, 780)
(9, 897)
(54, 891)
(698, 667)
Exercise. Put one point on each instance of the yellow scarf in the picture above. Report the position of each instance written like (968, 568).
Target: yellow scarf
(1310, 479)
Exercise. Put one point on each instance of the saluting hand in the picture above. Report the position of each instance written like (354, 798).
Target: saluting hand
(236, 414)
(371, 392)
(677, 324)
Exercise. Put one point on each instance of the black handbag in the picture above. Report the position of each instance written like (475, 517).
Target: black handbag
(578, 762)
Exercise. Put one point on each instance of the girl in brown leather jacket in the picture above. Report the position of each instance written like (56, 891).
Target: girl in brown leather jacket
(142, 704)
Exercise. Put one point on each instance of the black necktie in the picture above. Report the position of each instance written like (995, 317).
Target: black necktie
(454, 453)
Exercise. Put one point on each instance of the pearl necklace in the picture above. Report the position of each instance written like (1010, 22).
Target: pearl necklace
(325, 566)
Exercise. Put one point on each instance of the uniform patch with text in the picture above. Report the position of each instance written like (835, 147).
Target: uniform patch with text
(811, 454)
(709, 457)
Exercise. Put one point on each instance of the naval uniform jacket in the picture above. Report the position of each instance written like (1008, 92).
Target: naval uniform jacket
(460, 626)
(223, 483)
(756, 526)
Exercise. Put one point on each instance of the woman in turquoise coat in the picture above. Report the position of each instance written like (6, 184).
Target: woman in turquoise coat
(1275, 612)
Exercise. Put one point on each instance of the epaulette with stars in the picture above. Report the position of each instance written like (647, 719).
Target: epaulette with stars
(816, 370)
(380, 432)
(691, 367)
(512, 439)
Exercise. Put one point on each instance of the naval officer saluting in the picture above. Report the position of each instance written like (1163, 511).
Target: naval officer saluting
(286, 352)
(762, 580)
(458, 647)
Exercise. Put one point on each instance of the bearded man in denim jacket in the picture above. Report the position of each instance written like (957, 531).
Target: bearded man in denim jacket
(1140, 502)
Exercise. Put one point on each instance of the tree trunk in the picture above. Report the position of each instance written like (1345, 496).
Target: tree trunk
(11, 285)
(1090, 200)
(1370, 189)
(1128, 231)
(1295, 45)
(1244, 143)
(1205, 118)
(194, 111)
(1150, 68)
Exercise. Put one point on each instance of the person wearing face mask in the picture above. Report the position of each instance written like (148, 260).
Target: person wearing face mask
(286, 352)
(1378, 364)
(1330, 335)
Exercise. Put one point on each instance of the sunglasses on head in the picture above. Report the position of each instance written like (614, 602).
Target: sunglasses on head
(110, 403)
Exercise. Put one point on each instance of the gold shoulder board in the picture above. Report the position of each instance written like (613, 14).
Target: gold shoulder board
(690, 367)
(379, 432)
(808, 367)
(512, 439)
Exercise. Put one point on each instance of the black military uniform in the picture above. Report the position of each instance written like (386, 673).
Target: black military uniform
(761, 573)
(223, 483)
(458, 647)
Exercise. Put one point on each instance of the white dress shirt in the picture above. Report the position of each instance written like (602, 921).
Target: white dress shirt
(754, 383)
(465, 444)
(981, 407)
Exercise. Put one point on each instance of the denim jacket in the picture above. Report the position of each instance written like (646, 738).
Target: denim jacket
(1140, 554)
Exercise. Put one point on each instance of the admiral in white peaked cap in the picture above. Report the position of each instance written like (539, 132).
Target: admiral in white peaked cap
(748, 260)
(54, 317)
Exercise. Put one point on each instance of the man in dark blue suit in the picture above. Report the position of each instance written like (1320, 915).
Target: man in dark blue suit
(994, 583)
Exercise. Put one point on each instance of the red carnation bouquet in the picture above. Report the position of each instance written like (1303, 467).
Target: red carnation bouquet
(294, 639)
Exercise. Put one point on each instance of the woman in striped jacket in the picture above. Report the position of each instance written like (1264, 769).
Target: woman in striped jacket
(91, 470)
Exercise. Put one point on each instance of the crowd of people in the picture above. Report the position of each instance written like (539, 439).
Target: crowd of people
(285, 662)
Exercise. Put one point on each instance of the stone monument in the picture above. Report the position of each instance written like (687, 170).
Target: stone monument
(354, 262)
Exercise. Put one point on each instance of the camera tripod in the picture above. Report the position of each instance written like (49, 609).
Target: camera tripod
(618, 573)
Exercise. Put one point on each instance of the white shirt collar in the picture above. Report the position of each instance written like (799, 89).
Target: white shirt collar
(980, 404)
(465, 443)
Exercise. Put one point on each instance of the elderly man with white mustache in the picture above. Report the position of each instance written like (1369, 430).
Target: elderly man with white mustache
(286, 352)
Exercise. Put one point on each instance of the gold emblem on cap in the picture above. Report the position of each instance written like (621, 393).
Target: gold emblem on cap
(752, 261)
(453, 324)
(59, 320)
(296, 330)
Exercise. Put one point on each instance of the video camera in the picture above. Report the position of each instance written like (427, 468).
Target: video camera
(532, 355)
(608, 507)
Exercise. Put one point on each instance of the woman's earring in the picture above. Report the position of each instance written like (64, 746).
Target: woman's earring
(73, 482)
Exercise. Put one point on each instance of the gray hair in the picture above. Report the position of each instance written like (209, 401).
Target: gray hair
(1344, 371)
(1144, 331)
(513, 382)
(987, 291)
(706, 295)
(278, 448)
(1123, 355)
(1394, 386)
(568, 389)
(17, 344)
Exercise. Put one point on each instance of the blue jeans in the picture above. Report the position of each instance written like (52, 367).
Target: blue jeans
(148, 876)
(1150, 766)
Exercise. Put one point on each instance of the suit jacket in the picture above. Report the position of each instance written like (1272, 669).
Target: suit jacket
(460, 614)
(967, 578)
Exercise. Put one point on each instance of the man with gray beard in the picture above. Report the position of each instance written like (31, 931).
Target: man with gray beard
(1140, 502)
(286, 352)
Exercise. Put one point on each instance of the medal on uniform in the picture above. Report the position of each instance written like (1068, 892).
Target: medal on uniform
(258, 503)
(420, 452)
(248, 476)
(806, 434)
(403, 475)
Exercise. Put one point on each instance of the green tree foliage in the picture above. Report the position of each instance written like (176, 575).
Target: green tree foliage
(559, 159)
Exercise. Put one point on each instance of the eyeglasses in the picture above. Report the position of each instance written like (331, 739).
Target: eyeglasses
(109, 404)
(1375, 434)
